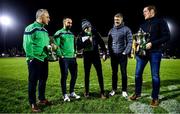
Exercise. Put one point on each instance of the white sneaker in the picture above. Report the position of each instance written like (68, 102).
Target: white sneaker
(74, 95)
(124, 94)
(112, 93)
(66, 98)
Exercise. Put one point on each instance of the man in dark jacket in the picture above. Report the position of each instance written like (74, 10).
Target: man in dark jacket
(119, 44)
(159, 34)
(89, 40)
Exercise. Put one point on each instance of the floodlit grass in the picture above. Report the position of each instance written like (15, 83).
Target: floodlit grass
(13, 89)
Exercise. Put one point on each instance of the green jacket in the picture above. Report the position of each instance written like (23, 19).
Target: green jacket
(65, 40)
(35, 40)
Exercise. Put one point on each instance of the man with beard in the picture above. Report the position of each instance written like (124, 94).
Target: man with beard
(65, 40)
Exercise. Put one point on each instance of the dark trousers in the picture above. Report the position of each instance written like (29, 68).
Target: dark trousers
(117, 59)
(65, 64)
(155, 59)
(89, 59)
(38, 71)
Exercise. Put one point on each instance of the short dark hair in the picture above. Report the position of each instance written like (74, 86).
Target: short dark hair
(119, 15)
(66, 18)
(152, 7)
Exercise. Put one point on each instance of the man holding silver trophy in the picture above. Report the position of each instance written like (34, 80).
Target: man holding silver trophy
(150, 51)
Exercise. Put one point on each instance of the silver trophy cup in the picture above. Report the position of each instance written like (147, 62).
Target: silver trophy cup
(141, 39)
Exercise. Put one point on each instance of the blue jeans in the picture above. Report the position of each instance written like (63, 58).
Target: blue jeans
(154, 58)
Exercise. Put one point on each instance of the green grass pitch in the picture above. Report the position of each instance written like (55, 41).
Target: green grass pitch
(14, 98)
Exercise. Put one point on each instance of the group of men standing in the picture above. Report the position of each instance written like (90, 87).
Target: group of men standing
(36, 40)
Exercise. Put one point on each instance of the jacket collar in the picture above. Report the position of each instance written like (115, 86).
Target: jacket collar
(151, 19)
(39, 24)
(121, 25)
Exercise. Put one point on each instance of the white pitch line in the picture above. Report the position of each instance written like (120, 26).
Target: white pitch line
(172, 106)
(172, 87)
(138, 107)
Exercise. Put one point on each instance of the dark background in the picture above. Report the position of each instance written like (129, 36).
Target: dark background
(99, 12)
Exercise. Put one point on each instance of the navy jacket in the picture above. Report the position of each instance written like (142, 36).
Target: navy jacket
(120, 40)
(159, 32)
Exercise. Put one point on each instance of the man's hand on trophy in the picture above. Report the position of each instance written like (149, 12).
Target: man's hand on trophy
(54, 47)
(49, 47)
(148, 45)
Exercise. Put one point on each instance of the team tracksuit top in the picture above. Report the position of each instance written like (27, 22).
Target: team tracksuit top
(35, 40)
(65, 40)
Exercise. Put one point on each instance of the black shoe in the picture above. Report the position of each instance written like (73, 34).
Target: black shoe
(86, 95)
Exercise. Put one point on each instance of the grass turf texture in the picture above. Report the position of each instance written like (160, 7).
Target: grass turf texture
(13, 89)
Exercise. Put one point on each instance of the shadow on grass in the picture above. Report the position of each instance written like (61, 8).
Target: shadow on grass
(173, 93)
